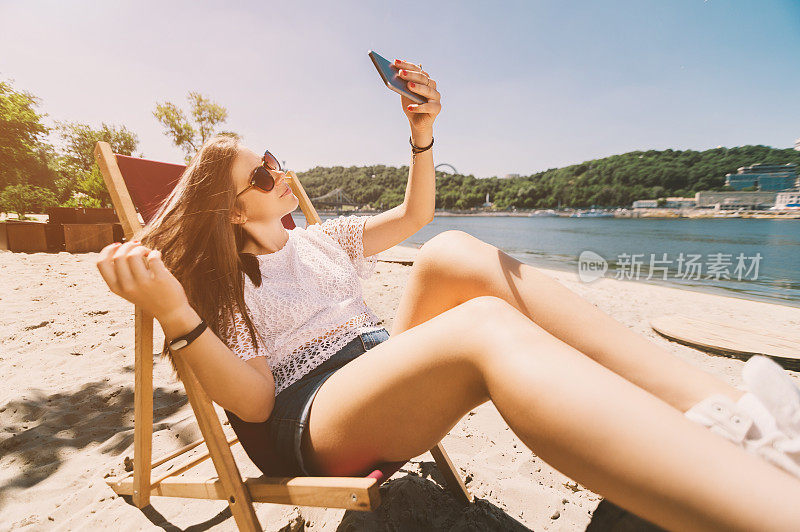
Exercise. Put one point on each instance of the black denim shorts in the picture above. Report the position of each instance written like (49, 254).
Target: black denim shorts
(289, 416)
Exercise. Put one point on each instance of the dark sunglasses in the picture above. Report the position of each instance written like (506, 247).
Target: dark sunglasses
(262, 178)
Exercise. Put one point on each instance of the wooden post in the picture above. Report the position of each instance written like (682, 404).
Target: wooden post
(454, 483)
(117, 189)
(305, 204)
(142, 408)
(186, 449)
(236, 493)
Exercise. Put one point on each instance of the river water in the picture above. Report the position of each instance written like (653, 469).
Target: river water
(751, 258)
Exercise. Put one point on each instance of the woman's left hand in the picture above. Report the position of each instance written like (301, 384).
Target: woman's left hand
(420, 116)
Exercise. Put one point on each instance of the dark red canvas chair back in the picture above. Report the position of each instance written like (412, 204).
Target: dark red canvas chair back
(150, 182)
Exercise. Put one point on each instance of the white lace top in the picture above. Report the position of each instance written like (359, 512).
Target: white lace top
(310, 303)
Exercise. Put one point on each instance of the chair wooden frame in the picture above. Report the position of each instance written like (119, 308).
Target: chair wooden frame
(353, 493)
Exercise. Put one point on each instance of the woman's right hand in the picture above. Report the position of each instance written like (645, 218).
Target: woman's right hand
(137, 273)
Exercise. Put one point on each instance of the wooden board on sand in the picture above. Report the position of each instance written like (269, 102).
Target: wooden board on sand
(731, 340)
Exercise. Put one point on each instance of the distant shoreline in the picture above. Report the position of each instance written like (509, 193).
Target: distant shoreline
(640, 213)
(620, 213)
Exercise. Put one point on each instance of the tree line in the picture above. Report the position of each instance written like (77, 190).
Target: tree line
(615, 181)
(45, 166)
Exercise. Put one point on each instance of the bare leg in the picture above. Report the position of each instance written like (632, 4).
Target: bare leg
(454, 266)
(401, 397)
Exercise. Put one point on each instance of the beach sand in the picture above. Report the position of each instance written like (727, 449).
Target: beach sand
(66, 413)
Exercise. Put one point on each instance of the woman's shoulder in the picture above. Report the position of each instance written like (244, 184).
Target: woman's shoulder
(315, 232)
(340, 227)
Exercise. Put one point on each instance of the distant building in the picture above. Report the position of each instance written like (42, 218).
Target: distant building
(510, 176)
(741, 181)
(766, 177)
(645, 204)
(735, 200)
(680, 203)
(797, 144)
(787, 200)
(669, 203)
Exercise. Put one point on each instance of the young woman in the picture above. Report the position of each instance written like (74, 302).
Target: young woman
(291, 343)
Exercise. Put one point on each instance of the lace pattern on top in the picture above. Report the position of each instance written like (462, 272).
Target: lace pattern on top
(348, 232)
(310, 303)
(306, 358)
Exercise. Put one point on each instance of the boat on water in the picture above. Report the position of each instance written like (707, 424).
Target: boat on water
(592, 213)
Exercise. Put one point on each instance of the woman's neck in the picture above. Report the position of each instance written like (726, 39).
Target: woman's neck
(261, 239)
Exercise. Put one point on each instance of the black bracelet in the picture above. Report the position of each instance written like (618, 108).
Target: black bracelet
(416, 149)
(182, 341)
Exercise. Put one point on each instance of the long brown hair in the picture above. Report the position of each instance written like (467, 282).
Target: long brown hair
(200, 244)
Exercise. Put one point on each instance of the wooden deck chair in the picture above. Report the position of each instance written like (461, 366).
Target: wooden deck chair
(141, 185)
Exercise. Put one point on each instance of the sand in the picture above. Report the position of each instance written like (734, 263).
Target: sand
(66, 413)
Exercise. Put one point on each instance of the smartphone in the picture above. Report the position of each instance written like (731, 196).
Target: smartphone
(389, 76)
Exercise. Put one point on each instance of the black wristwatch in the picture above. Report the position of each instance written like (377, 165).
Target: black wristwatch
(182, 341)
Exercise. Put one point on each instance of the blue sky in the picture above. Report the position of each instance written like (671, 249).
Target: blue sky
(525, 85)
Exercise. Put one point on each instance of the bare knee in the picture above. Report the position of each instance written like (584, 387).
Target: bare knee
(449, 236)
(448, 245)
(458, 261)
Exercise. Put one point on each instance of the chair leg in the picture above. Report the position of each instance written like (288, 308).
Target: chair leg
(237, 494)
(142, 408)
(451, 476)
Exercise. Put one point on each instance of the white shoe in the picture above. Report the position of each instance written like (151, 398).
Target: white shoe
(764, 421)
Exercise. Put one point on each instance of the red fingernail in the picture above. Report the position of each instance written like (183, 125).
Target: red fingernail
(409, 107)
(402, 72)
(396, 61)
(411, 84)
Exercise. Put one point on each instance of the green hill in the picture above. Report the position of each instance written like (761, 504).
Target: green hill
(614, 181)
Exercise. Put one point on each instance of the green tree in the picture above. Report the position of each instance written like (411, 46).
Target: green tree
(80, 183)
(23, 151)
(613, 181)
(80, 139)
(186, 135)
(22, 199)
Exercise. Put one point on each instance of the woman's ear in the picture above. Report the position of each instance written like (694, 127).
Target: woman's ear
(237, 217)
